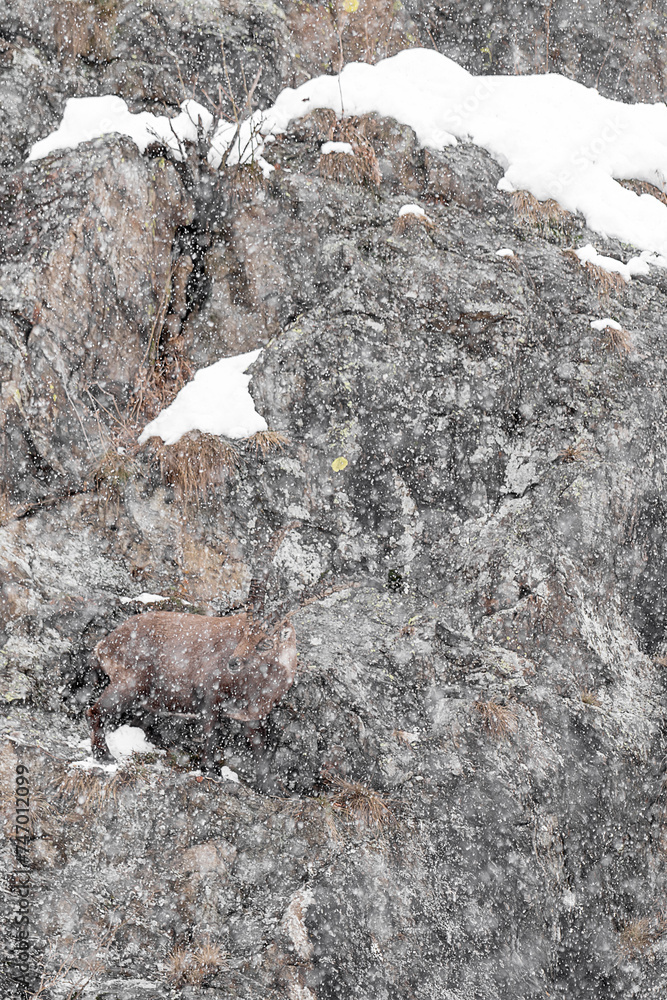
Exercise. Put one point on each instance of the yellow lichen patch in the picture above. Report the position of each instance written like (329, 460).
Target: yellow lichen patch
(339, 464)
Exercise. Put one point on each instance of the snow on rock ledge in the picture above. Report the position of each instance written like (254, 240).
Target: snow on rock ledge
(216, 401)
(553, 137)
(87, 118)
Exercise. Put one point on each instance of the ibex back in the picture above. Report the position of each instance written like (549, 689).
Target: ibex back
(163, 662)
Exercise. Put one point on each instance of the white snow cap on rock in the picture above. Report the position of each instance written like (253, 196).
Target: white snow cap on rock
(216, 401)
(553, 137)
(336, 147)
(602, 324)
(636, 265)
(122, 743)
(87, 118)
(504, 252)
(412, 210)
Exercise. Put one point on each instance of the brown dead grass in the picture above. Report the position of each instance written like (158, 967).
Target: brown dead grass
(157, 384)
(589, 697)
(544, 216)
(110, 473)
(244, 181)
(574, 453)
(361, 167)
(264, 442)
(606, 282)
(87, 792)
(364, 805)
(84, 30)
(616, 341)
(193, 966)
(498, 720)
(195, 464)
(411, 223)
(644, 187)
(638, 936)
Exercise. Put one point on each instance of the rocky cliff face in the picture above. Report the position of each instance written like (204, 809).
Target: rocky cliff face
(463, 793)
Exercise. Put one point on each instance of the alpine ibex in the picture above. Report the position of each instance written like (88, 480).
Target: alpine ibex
(165, 663)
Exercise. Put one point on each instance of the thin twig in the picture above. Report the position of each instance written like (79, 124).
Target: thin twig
(606, 55)
(548, 20)
(229, 84)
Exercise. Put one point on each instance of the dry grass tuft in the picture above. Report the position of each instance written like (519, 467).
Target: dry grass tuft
(244, 181)
(264, 442)
(83, 29)
(195, 464)
(644, 187)
(605, 281)
(412, 223)
(637, 937)
(361, 167)
(187, 967)
(365, 805)
(574, 453)
(589, 697)
(545, 216)
(87, 792)
(157, 384)
(616, 341)
(499, 720)
(110, 472)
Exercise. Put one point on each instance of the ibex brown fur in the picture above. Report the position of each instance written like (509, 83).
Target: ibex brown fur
(164, 662)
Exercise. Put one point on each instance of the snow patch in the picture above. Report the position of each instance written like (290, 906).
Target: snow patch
(144, 599)
(216, 401)
(412, 210)
(636, 265)
(504, 252)
(336, 147)
(553, 137)
(602, 324)
(87, 118)
(122, 743)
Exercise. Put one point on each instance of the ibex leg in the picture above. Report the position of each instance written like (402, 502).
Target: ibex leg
(255, 734)
(211, 752)
(97, 741)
